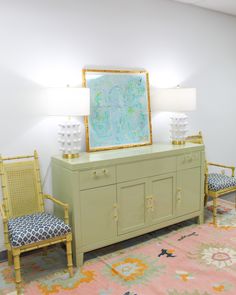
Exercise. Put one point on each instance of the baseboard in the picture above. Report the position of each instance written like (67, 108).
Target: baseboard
(3, 256)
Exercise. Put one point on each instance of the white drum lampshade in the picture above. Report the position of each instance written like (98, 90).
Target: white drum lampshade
(69, 102)
(177, 100)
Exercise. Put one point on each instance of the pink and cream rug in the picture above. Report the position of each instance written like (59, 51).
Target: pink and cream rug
(187, 259)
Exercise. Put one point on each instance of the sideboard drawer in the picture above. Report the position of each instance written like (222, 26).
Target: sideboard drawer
(146, 168)
(189, 160)
(97, 177)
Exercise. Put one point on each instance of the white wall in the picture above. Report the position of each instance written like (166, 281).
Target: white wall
(47, 42)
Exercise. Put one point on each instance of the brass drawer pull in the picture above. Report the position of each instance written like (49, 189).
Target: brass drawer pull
(102, 172)
(150, 203)
(115, 207)
(179, 195)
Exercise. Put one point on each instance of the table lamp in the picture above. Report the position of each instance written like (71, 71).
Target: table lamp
(70, 102)
(177, 100)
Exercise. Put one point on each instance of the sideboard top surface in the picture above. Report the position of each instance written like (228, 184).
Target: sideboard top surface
(89, 160)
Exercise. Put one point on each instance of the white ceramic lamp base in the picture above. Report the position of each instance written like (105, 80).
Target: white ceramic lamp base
(179, 128)
(69, 138)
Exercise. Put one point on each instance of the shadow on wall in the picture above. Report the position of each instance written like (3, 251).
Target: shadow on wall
(20, 109)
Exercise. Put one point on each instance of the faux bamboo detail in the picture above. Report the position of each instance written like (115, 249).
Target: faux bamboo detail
(16, 176)
(213, 194)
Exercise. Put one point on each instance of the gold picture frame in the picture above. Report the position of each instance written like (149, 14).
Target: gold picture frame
(97, 80)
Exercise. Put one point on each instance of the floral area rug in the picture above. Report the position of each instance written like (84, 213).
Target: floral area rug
(185, 259)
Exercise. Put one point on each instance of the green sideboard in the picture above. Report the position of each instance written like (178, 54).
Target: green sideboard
(119, 194)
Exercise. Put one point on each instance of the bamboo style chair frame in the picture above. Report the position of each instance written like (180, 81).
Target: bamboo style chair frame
(198, 138)
(22, 195)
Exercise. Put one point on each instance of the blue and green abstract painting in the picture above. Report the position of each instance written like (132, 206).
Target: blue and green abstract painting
(119, 110)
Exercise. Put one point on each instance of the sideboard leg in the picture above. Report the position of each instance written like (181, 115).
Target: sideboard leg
(79, 259)
(200, 219)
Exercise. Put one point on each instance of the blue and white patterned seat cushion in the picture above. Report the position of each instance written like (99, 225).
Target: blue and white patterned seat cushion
(33, 228)
(218, 181)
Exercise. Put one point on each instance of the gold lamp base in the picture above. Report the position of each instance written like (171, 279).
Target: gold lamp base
(178, 142)
(70, 156)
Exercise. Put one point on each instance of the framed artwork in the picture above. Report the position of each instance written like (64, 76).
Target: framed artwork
(120, 114)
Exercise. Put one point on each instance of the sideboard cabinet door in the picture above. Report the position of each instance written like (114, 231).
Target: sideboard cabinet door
(98, 215)
(132, 201)
(162, 198)
(188, 192)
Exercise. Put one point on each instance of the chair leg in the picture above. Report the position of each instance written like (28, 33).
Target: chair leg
(69, 254)
(16, 256)
(214, 210)
(9, 257)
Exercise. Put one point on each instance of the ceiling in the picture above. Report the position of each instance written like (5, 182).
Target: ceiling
(225, 6)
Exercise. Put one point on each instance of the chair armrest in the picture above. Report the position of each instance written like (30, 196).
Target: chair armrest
(54, 200)
(4, 217)
(222, 166)
(64, 205)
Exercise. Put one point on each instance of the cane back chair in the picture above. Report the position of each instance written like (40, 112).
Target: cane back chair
(26, 224)
(216, 184)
